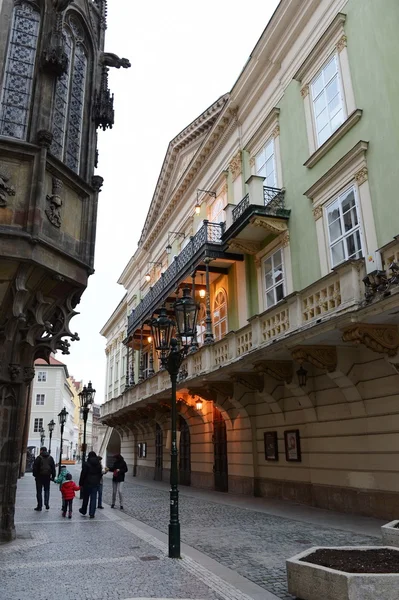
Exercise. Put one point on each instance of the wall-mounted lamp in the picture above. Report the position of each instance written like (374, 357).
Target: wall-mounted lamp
(149, 339)
(302, 376)
(198, 204)
(198, 404)
(202, 291)
(177, 234)
(148, 275)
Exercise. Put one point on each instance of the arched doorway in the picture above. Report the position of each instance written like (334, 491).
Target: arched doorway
(184, 453)
(220, 451)
(158, 453)
(114, 447)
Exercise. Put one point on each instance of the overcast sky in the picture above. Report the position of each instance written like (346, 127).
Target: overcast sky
(184, 55)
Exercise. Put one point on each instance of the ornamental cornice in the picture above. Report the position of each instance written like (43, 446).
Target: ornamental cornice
(383, 339)
(321, 357)
(362, 176)
(271, 224)
(235, 165)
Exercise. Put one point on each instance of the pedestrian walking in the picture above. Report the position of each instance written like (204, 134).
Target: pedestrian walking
(68, 489)
(100, 487)
(90, 478)
(119, 468)
(43, 471)
(60, 480)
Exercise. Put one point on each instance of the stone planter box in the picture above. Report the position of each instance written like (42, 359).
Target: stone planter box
(390, 534)
(307, 581)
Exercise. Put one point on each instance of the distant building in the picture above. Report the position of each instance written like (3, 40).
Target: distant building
(51, 392)
(98, 429)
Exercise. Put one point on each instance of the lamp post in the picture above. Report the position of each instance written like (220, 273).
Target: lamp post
(42, 436)
(171, 357)
(50, 426)
(62, 417)
(86, 398)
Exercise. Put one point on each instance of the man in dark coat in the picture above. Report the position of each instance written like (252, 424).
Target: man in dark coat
(43, 471)
(90, 478)
(119, 468)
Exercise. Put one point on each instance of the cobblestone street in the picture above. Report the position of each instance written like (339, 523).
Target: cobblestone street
(253, 543)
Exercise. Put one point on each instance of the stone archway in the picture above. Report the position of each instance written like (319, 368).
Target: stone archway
(114, 447)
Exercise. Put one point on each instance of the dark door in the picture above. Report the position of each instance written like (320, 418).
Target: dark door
(184, 453)
(220, 451)
(158, 453)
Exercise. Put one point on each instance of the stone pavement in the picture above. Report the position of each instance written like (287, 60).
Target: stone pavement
(111, 557)
(253, 537)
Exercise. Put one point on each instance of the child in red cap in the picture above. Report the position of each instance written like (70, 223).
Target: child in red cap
(68, 489)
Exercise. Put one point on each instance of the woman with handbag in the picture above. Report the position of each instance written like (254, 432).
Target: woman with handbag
(119, 468)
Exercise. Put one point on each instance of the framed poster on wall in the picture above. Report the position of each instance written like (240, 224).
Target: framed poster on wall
(292, 445)
(271, 445)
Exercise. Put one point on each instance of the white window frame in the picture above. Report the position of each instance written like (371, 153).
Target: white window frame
(217, 323)
(42, 376)
(344, 235)
(271, 256)
(320, 73)
(40, 397)
(270, 140)
(269, 130)
(37, 424)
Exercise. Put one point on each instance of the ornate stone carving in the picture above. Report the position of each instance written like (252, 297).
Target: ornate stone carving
(276, 131)
(342, 43)
(322, 357)
(362, 176)
(112, 60)
(246, 246)
(14, 371)
(383, 339)
(271, 224)
(44, 138)
(248, 380)
(318, 212)
(97, 182)
(5, 189)
(103, 113)
(252, 161)
(235, 165)
(61, 5)
(305, 91)
(285, 239)
(53, 211)
(28, 373)
(278, 369)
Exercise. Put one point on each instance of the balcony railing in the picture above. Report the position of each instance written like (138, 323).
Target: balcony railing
(340, 292)
(209, 234)
(273, 201)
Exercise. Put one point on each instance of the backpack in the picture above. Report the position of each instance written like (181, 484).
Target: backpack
(45, 466)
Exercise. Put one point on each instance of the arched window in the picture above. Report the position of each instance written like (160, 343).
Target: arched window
(70, 98)
(201, 324)
(220, 314)
(19, 70)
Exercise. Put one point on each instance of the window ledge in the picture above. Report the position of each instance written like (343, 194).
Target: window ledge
(353, 118)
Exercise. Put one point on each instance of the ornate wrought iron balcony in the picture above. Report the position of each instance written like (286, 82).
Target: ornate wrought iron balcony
(206, 241)
(273, 199)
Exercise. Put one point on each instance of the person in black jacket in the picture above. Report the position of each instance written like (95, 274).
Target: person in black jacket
(119, 468)
(43, 471)
(90, 478)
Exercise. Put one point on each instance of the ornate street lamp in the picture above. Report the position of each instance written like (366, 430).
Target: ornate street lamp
(42, 436)
(171, 357)
(62, 417)
(50, 426)
(86, 398)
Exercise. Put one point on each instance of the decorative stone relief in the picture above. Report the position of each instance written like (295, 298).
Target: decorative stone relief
(273, 225)
(383, 339)
(322, 357)
(342, 43)
(5, 189)
(252, 161)
(246, 246)
(276, 131)
(112, 60)
(235, 165)
(361, 176)
(285, 239)
(318, 212)
(305, 91)
(97, 182)
(53, 211)
(44, 138)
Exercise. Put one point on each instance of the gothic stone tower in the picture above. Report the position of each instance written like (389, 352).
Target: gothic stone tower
(53, 97)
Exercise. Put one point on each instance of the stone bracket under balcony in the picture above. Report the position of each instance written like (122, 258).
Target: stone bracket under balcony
(259, 215)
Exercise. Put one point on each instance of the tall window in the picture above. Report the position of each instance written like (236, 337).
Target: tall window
(274, 278)
(37, 424)
(40, 398)
(42, 376)
(69, 99)
(19, 71)
(201, 326)
(220, 314)
(217, 213)
(328, 107)
(265, 164)
(344, 228)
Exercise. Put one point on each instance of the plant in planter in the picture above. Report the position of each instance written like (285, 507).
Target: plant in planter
(347, 573)
(390, 534)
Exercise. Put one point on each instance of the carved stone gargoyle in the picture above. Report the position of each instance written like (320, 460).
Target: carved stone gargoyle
(53, 211)
(109, 59)
(5, 190)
